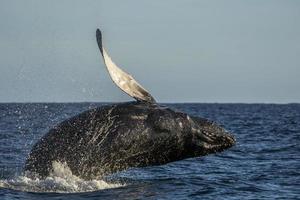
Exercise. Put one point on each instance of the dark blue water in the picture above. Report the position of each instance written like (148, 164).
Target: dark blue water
(264, 164)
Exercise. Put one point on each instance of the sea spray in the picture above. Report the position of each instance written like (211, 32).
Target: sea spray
(60, 180)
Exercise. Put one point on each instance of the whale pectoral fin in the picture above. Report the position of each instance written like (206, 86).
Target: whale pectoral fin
(122, 79)
(99, 40)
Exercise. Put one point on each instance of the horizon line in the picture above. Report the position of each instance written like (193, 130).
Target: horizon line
(111, 102)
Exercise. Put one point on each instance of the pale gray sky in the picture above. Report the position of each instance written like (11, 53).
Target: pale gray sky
(180, 50)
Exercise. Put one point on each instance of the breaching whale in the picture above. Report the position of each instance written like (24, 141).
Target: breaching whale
(116, 137)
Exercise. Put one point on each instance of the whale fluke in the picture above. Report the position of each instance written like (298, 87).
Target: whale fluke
(122, 79)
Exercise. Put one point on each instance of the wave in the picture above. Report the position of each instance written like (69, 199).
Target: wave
(61, 180)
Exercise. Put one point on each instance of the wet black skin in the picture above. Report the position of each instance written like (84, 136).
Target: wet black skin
(109, 139)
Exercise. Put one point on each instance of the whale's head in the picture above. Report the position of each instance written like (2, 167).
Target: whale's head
(186, 136)
(208, 137)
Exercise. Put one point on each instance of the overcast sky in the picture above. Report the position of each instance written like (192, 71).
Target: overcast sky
(180, 50)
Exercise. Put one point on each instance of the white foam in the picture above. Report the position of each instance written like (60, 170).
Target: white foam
(61, 180)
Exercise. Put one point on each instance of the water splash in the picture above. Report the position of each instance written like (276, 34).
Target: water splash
(61, 180)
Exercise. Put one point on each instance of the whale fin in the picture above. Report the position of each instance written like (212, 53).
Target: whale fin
(122, 79)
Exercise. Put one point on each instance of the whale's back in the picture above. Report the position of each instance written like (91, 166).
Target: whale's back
(93, 139)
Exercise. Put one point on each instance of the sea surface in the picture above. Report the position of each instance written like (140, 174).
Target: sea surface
(264, 164)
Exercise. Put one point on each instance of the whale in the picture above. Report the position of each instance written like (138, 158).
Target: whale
(116, 137)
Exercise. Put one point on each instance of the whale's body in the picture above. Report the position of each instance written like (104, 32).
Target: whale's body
(117, 137)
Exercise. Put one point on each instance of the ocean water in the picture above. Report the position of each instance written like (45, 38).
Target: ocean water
(264, 164)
